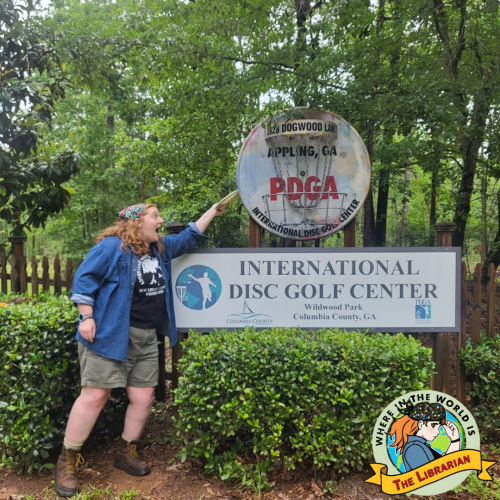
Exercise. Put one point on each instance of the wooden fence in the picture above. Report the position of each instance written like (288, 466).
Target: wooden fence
(482, 297)
(39, 275)
(478, 302)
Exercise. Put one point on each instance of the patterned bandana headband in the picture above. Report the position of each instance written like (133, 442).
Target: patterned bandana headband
(133, 212)
(425, 411)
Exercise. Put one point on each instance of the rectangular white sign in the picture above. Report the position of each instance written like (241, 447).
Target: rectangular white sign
(389, 289)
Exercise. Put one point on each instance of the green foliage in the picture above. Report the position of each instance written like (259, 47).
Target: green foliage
(101, 189)
(38, 378)
(251, 400)
(483, 361)
(482, 490)
(31, 81)
(164, 94)
(93, 493)
(495, 448)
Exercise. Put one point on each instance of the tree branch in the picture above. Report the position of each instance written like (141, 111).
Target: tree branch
(478, 56)
(441, 21)
(317, 5)
(461, 34)
(276, 66)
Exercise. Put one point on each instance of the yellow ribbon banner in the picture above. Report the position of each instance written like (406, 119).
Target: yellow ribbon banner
(430, 473)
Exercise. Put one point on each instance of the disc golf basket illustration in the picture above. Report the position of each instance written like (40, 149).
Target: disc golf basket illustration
(303, 163)
(181, 292)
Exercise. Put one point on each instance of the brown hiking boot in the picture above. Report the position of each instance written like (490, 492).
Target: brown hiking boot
(127, 459)
(66, 471)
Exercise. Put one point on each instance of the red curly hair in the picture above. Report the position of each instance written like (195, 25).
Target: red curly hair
(131, 234)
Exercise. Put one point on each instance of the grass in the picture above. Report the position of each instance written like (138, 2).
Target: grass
(92, 493)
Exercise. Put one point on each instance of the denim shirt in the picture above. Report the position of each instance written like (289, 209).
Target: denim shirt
(105, 280)
(417, 453)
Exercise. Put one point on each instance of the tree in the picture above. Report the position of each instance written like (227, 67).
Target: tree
(470, 48)
(31, 81)
(191, 79)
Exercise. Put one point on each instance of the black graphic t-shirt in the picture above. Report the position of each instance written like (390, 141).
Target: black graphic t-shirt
(148, 300)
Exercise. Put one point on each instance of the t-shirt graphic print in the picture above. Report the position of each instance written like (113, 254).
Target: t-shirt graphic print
(148, 301)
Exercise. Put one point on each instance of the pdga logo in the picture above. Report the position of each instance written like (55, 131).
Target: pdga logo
(425, 442)
(423, 311)
(198, 287)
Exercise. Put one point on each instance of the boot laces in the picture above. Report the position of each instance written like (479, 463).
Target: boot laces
(72, 467)
(132, 449)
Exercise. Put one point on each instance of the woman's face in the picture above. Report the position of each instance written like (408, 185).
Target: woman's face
(428, 430)
(151, 222)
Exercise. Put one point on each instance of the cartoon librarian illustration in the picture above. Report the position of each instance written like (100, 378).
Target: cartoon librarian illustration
(420, 425)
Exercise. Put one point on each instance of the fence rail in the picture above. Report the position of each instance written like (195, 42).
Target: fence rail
(480, 297)
(39, 277)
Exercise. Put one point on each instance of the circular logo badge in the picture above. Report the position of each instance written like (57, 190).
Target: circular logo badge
(303, 178)
(198, 287)
(429, 443)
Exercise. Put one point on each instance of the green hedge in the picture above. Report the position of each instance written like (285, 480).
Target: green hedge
(252, 401)
(38, 377)
(483, 362)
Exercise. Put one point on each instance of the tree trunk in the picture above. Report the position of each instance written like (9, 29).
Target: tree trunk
(110, 124)
(433, 214)
(406, 208)
(484, 232)
(471, 140)
(471, 125)
(287, 243)
(382, 205)
(385, 175)
(143, 188)
(494, 253)
(302, 10)
(369, 239)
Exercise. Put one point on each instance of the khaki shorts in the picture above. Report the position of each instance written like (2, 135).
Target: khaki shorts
(140, 369)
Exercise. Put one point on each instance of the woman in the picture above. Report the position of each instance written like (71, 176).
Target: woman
(419, 425)
(123, 291)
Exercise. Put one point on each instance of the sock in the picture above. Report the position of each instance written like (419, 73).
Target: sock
(72, 446)
(125, 438)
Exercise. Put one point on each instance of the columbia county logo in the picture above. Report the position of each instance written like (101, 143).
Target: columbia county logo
(198, 287)
(423, 311)
(427, 443)
(248, 317)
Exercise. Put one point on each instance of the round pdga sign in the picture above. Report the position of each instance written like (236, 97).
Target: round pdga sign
(303, 178)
